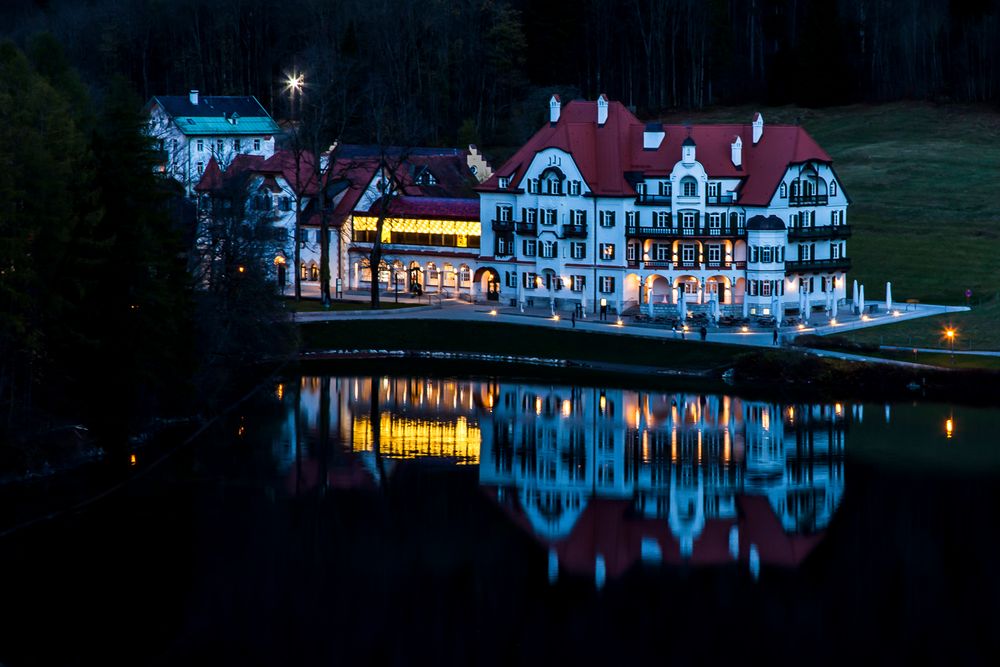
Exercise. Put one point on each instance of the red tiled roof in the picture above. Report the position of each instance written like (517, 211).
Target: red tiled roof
(441, 208)
(608, 528)
(605, 153)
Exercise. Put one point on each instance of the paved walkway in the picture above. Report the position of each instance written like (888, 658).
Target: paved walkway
(938, 350)
(459, 310)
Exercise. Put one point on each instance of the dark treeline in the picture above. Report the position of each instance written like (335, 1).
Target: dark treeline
(480, 69)
(100, 323)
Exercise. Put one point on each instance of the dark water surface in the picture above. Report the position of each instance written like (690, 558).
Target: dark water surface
(483, 521)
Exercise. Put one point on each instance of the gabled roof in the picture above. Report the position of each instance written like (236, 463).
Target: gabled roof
(605, 153)
(216, 115)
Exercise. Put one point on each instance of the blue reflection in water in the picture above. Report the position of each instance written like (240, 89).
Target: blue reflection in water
(602, 478)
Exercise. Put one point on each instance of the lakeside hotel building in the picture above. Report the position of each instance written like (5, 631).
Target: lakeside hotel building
(599, 206)
(595, 207)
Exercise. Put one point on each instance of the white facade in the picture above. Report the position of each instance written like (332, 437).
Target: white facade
(677, 228)
(205, 131)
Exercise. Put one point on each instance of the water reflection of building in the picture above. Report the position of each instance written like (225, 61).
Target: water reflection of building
(416, 417)
(602, 477)
(606, 477)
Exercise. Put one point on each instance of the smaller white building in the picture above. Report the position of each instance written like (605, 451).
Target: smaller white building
(190, 131)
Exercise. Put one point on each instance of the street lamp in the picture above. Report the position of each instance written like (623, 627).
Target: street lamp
(294, 83)
(950, 334)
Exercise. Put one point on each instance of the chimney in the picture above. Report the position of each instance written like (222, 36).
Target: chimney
(737, 152)
(652, 136)
(554, 109)
(193, 97)
(758, 127)
(602, 109)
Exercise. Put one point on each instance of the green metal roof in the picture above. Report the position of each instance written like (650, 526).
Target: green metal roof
(217, 125)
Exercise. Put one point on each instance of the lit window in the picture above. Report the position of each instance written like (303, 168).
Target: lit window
(607, 251)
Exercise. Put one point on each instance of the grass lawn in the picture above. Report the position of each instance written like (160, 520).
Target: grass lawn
(976, 330)
(516, 339)
(923, 181)
(315, 305)
(943, 359)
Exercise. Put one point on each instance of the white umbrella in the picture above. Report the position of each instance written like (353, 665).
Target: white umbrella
(682, 305)
(746, 306)
(802, 305)
(583, 303)
(835, 300)
(618, 308)
(854, 297)
(552, 305)
(779, 312)
(888, 297)
(715, 310)
(520, 295)
(861, 297)
(829, 303)
(650, 295)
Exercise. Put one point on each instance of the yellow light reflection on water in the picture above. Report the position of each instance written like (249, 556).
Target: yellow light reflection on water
(406, 438)
(949, 427)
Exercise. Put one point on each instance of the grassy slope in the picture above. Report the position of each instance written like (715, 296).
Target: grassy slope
(925, 186)
(514, 339)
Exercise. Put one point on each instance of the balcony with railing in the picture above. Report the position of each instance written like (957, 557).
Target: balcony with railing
(817, 265)
(718, 265)
(653, 200)
(820, 232)
(503, 225)
(808, 200)
(527, 228)
(697, 231)
(575, 229)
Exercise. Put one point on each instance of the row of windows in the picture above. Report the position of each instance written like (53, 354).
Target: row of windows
(421, 239)
(767, 254)
(663, 252)
(551, 185)
(807, 251)
(551, 281)
(220, 145)
(806, 187)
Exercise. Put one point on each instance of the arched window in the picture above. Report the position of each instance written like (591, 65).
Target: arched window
(552, 181)
(833, 188)
(689, 187)
(783, 191)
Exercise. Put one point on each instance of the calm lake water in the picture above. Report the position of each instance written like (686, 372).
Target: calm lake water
(413, 520)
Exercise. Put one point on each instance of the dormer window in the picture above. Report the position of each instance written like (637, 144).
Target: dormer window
(574, 188)
(504, 182)
(640, 189)
(713, 189)
(664, 188)
(552, 183)
(783, 190)
(532, 186)
(426, 178)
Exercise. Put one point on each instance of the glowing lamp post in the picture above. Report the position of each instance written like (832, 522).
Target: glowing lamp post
(950, 334)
